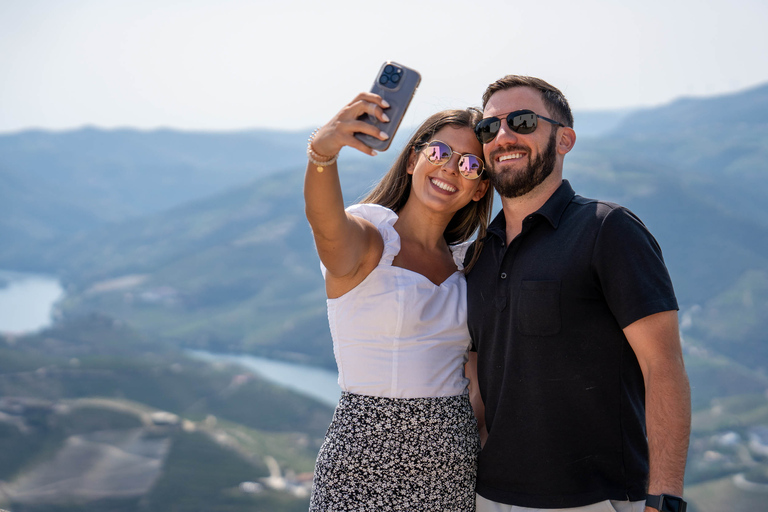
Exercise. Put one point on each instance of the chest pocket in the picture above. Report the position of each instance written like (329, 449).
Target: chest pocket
(538, 308)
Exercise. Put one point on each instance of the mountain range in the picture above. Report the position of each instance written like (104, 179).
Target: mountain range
(236, 269)
(199, 240)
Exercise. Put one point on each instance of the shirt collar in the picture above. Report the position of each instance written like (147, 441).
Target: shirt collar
(552, 210)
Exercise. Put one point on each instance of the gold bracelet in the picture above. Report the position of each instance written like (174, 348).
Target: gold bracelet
(316, 158)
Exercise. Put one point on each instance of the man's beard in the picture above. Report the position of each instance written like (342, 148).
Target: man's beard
(515, 184)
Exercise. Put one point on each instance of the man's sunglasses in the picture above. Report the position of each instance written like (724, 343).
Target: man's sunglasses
(439, 153)
(519, 121)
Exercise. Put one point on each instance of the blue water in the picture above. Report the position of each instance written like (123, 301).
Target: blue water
(26, 301)
(309, 380)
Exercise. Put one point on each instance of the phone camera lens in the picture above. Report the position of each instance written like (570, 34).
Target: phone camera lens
(390, 76)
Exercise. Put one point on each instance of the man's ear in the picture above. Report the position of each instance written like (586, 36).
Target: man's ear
(566, 140)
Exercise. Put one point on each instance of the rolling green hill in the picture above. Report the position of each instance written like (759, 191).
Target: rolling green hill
(716, 147)
(235, 271)
(143, 427)
(59, 183)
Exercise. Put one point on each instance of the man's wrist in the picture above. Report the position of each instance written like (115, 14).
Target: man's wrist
(666, 502)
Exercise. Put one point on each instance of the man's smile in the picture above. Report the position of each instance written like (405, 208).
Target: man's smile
(511, 156)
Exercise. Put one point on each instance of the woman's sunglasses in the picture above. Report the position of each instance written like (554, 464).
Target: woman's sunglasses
(439, 153)
(519, 121)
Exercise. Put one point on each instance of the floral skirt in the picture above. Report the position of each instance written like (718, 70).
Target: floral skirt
(398, 454)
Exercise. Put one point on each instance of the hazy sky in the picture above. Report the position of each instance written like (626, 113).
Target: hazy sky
(232, 64)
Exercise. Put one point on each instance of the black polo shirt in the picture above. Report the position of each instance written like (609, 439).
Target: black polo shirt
(563, 391)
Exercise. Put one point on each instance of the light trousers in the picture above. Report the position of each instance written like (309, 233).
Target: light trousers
(484, 505)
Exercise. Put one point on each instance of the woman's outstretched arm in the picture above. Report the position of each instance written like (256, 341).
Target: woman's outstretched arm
(344, 242)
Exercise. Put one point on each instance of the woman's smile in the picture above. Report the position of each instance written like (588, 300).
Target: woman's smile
(442, 185)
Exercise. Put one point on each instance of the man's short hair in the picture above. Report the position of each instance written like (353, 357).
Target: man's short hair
(553, 98)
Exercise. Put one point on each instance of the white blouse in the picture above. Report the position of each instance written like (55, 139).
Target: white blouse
(397, 334)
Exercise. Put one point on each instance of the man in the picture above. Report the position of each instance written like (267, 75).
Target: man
(574, 322)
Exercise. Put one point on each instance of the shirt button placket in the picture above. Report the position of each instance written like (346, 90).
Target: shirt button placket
(503, 287)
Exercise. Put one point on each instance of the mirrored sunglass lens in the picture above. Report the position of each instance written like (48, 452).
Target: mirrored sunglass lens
(523, 123)
(438, 153)
(470, 166)
(487, 129)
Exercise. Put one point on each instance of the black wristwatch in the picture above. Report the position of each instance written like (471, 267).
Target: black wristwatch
(666, 503)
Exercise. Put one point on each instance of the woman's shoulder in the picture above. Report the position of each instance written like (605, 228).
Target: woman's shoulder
(384, 219)
(459, 252)
(374, 213)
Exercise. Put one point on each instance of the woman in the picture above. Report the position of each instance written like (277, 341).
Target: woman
(403, 436)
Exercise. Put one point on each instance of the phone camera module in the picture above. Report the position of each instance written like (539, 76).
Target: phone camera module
(390, 76)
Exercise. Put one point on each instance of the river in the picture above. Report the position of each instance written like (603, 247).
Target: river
(27, 302)
(316, 382)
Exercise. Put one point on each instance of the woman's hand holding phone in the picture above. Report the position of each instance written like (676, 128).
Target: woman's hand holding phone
(340, 131)
(365, 119)
(396, 84)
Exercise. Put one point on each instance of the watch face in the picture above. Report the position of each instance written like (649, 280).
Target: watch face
(672, 504)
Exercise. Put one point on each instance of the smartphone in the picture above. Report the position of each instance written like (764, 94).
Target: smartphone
(397, 84)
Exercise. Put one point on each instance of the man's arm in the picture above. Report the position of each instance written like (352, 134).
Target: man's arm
(655, 340)
(470, 372)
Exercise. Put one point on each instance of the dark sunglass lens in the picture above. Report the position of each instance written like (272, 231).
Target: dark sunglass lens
(523, 123)
(487, 129)
(438, 153)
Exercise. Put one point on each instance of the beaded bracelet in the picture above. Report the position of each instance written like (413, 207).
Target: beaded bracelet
(316, 157)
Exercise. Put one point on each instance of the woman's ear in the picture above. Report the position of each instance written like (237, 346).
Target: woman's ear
(482, 189)
(413, 156)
